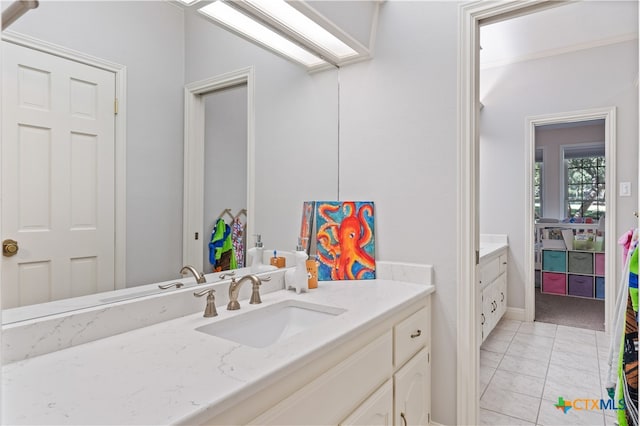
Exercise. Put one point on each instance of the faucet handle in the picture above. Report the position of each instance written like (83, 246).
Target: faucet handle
(166, 286)
(210, 308)
(203, 292)
(255, 291)
(226, 274)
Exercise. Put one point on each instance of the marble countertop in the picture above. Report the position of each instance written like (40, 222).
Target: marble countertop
(171, 373)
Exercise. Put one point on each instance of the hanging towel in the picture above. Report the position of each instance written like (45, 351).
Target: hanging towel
(633, 279)
(624, 358)
(221, 248)
(237, 236)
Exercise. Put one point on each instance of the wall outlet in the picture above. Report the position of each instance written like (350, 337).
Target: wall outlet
(625, 189)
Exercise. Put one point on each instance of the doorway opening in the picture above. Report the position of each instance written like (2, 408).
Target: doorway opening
(196, 100)
(569, 178)
(471, 18)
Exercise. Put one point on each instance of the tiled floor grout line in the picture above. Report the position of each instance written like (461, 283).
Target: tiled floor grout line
(546, 375)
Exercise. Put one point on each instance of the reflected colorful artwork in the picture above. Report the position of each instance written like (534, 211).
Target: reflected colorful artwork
(345, 237)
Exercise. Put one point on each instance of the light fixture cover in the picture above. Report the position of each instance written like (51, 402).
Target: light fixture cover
(303, 26)
(188, 2)
(220, 12)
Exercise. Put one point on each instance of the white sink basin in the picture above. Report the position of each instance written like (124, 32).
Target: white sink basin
(265, 326)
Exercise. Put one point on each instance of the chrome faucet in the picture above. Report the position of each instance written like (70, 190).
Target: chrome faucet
(200, 279)
(210, 308)
(234, 290)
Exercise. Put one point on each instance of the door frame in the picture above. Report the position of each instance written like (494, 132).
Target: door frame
(120, 117)
(610, 272)
(470, 16)
(194, 118)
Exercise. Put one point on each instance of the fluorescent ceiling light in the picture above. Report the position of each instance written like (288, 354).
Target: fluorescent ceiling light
(226, 15)
(188, 2)
(297, 22)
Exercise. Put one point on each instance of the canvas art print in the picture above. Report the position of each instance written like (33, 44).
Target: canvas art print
(345, 237)
(307, 225)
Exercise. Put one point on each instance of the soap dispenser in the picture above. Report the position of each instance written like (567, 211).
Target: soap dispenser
(298, 277)
(257, 254)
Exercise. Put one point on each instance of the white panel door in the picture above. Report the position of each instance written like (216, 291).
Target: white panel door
(58, 180)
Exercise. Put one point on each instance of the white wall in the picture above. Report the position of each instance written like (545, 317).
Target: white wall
(147, 37)
(296, 126)
(593, 78)
(398, 148)
(550, 140)
(225, 159)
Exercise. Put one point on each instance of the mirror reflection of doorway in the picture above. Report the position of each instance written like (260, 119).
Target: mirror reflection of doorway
(225, 169)
(569, 201)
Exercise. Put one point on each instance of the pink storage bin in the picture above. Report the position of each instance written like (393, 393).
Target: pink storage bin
(553, 282)
(599, 266)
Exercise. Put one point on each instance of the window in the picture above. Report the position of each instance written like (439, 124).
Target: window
(537, 184)
(585, 167)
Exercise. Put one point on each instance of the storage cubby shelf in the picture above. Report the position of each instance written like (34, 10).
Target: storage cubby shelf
(577, 273)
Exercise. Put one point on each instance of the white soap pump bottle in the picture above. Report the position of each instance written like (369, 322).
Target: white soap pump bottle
(257, 254)
(298, 277)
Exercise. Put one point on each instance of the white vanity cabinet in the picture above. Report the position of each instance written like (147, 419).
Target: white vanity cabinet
(381, 377)
(493, 291)
(377, 410)
(413, 393)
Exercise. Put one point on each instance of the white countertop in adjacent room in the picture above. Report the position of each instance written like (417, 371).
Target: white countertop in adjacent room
(491, 244)
(170, 373)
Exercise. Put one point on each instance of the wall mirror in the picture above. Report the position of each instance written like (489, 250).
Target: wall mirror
(163, 47)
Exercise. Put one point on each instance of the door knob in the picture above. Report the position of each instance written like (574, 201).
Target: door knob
(9, 247)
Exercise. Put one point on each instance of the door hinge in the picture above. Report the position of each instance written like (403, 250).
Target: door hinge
(196, 235)
(428, 418)
(477, 257)
(115, 106)
(428, 357)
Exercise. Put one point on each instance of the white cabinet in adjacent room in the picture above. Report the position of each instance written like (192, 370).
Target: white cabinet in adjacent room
(493, 291)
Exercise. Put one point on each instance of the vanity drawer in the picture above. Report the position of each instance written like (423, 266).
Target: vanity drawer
(489, 271)
(410, 335)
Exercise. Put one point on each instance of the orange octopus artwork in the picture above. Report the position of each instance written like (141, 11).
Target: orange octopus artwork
(346, 249)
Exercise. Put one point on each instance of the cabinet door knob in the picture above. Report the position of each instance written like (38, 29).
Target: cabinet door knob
(404, 419)
(416, 334)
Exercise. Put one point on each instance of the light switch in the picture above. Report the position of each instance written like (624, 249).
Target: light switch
(625, 189)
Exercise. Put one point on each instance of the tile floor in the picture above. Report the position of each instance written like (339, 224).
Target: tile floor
(525, 367)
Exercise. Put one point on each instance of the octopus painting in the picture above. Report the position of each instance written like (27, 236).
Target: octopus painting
(345, 239)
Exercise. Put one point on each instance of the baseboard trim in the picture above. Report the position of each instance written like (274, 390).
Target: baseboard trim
(514, 314)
